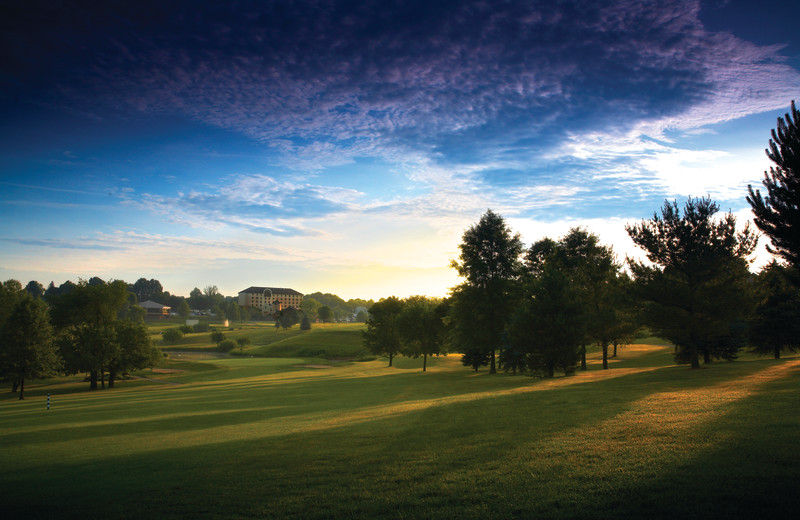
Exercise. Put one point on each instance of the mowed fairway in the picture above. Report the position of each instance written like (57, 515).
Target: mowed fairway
(270, 438)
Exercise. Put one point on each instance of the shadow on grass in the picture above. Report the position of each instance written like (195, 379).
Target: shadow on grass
(488, 456)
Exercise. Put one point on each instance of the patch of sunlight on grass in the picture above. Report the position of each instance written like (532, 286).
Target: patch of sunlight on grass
(658, 424)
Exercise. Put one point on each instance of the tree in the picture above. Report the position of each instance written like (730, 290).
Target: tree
(288, 317)
(35, 289)
(197, 300)
(489, 262)
(217, 337)
(547, 325)
(325, 314)
(310, 307)
(592, 270)
(226, 345)
(183, 308)
(778, 214)
(696, 292)
(305, 323)
(146, 290)
(172, 336)
(775, 327)
(626, 318)
(422, 329)
(382, 336)
(136, 350)
(28, 351)
(85, 318)
(242, 342)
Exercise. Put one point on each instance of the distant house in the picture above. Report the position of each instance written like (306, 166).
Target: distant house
(154, 309)
(270, 299)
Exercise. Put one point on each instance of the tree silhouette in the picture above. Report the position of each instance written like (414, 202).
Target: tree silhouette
(696, 295)
(490, 262)
(778, 214)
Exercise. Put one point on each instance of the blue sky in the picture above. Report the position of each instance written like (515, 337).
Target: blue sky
(346, 146)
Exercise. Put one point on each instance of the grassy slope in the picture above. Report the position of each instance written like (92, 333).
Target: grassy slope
(256, 437)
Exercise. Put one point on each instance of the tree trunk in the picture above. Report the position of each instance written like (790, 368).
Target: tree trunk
(550, 370)
(695, 358)
(492, 367)
(424, 362)
(615, 350)
(391, 357)
(112, 375)
(22, 388)
(93, 380)
(102, 378)
(706, 357)
(14, 385)
(777, 352)
(605, 356)
(583, 357)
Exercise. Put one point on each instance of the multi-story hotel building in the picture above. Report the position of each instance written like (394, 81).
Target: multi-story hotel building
(270, 299)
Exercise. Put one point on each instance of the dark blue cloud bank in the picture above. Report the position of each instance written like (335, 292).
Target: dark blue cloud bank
(456, 81)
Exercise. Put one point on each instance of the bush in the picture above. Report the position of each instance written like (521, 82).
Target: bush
(172, 336)
(217, 337)
(186, 329)
(226, 345)
(201, 327)
(243, 342)
(305, 324)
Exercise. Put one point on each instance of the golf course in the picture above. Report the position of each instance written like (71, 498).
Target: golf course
(330, 436)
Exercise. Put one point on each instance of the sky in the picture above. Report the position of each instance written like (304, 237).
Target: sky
(345, 147)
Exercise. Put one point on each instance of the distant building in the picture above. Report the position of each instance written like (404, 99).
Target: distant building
(154, 309)
(270, 299)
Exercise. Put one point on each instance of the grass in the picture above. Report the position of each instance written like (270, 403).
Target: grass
(273, 438)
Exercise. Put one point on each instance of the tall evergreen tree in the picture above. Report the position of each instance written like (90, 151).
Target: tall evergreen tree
(775, 327)
(778, 214)
(696, 293)
(490, 263)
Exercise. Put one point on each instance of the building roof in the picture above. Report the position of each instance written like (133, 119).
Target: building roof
(275, 290)
(152, 305)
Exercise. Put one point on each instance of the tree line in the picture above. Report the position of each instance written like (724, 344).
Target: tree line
(88, 329)
(537, 309)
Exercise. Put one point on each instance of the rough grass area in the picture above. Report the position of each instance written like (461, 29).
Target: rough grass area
(265, 438)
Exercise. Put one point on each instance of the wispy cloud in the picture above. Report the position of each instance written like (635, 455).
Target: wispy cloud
(61, 244)
(462, 82)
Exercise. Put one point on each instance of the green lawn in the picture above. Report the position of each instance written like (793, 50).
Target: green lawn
(289, 438)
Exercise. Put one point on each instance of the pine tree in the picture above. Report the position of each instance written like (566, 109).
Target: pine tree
(778, 214)
(696, 293)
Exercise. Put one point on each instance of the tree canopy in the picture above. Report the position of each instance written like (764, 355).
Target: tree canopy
(489, 262)
(26, 338)
(696, 292)
(382, 336)
(778, 214)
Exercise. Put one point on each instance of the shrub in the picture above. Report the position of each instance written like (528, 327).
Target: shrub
(172, 336)
(186, 329)
(305, 324)
(201, 326)
(226, 345)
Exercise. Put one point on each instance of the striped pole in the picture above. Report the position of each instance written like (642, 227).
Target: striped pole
(48, 401)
